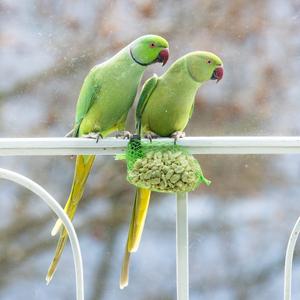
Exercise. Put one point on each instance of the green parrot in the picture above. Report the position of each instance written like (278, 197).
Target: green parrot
(165, 106)
(105, 98)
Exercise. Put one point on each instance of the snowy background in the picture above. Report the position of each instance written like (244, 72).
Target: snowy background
(239, 226)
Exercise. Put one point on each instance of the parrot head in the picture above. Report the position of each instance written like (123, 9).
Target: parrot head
(149, 49)
(203, 66)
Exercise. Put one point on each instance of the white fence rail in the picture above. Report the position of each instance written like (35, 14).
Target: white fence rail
(111, 146)
(196, 145)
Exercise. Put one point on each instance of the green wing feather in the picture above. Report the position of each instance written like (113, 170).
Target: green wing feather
(88, 94)
(147, 90)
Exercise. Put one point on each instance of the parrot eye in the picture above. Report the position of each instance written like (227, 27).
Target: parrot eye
(209, 61)
(152, 45)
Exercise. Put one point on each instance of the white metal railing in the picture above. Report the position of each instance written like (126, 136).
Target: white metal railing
(57, 209)
(112, 146)
(196, 145)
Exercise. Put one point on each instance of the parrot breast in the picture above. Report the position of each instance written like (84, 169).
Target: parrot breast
(168, 109)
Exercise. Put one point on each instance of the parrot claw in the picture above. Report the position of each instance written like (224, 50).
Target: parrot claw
(150, 136)
(177, 135)
(93, 135)
(124, 134)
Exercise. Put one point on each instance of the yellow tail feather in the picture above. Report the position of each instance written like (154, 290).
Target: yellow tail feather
(58, 252)
(140, 209)
(139, 214)
(124, 277)
(82, 169)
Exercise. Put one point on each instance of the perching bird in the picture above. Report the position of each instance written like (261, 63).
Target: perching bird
(105, 98)
(164, 109)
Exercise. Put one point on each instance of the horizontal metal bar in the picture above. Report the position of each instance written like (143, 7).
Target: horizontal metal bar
(112, 146)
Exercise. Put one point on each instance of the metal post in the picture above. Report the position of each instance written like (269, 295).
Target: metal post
(182, 247)
(289, 260)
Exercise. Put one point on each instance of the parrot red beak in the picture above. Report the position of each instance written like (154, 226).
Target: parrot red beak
(217, 74)
(163, 56)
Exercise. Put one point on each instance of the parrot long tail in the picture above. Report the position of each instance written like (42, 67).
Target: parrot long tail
(58, 252)
(83, 166)
(139, 214)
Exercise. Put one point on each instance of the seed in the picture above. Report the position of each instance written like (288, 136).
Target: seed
(147, 175)
(179, 184)
(179, 169)
(169, 174)
(168, 162)
(165, 169)
(154, 180)
(184, 177)
(155, 174)
(175, 178)
(162, 186)
(158, 162)
(191, 179)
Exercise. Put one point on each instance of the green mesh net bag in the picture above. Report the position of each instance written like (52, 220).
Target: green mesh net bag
(162, 167)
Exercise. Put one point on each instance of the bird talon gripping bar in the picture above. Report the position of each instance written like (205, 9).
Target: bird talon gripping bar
(162, 167)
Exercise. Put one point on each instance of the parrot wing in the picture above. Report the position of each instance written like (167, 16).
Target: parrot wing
(147, 90)
(88, 94)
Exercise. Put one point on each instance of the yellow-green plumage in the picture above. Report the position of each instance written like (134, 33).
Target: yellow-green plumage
(105, 98)
(165, 106)
(170, 104)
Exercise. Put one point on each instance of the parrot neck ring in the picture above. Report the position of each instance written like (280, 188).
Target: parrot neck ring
(135, 60)
(162, 57)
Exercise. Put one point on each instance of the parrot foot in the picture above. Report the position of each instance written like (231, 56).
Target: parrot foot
(93, 135)
(124, 134)
(177, 135)
(150, 136)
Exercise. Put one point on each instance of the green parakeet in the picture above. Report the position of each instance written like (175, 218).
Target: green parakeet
(105, 98)
(164, 109)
